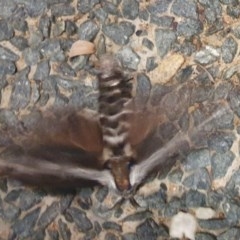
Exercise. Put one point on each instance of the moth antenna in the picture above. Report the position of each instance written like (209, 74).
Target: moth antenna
(115, 93)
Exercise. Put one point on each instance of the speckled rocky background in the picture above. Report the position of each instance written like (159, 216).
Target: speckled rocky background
(161, 43)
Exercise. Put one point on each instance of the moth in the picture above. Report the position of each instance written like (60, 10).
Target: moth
(117, 147)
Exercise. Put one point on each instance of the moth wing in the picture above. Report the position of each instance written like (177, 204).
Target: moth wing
(142, 125)
(72, 129)
(53, 166)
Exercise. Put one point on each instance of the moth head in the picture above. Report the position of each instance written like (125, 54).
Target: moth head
(120, 168)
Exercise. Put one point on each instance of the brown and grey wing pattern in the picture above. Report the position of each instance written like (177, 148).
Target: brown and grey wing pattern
(61, 149)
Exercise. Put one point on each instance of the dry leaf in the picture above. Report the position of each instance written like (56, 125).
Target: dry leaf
(81, 47)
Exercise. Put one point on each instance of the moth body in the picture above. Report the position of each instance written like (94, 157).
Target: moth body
(115, 93)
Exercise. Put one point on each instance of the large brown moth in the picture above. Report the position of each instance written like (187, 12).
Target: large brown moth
(114, 147)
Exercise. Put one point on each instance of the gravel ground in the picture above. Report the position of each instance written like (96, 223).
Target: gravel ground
(165, 45)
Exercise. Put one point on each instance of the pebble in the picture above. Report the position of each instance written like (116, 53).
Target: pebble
(88, 30)
(164, 39)
(85, 6)
(7, 54)
(42, 71)
(62, 9)
(79, 217)
(64, 230)
(7, 67)
(229, 49)
(6, 30)
(21, 90)
(130, 9)
(128, 58)
(220, 163)
(119, 33)
(185, 8)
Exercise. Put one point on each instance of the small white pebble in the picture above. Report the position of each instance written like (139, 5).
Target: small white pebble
(205, 213)
(183, 225)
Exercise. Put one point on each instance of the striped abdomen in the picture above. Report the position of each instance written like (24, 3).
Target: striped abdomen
(115, 92)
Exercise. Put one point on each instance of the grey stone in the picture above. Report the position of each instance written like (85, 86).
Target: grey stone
(231, 210)
(185, 8)
(150, 230)
(31, 56)
(85, 6)
(13, 195)
(101, 46)
(147, 43)
(202, 93)
(213, 10)
(6, 54)
(42, 71)
(62, 9)
(130, 9)
(24, 227)
(112, 226)
(236, 31)
(65, 202)
(6, 30)
(172, 207)
(164, 40)
(88, 30)
(100, 14)
(33, 9)
(8, 119)
(207, 55)
(233, 11)
(215, 199)
(221, 142)
(137, 216)
(119, 33)
(80, 219)
(58, 28)
(19, 42)
(20, 24)
(10, 212)
(158, 92)
(7, 67)
(199, 179)
(189, 28)
(21, 90)
(194, 198)
(71, 27)
(232, 233)
(143, 14)
(53, 234)
(167, 131)
(222, 90)
(64, 230)
(130, 236)
(48, 215)
(101, 194)
(51, 49)
(35, 39)
(66, 70)
(111, 236)
(28, 199)
(151, 64)
(7, 8)
(214, 224)
(204, 236)
(164, 21)
(45, 25)
(229, 50)
(234, 100)
(129, 58)
(143, 89)
(197, 159)
(175, 176)
(228, 2)
(31, 120)
(158, 7)
(110, 8)
(220, 163)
